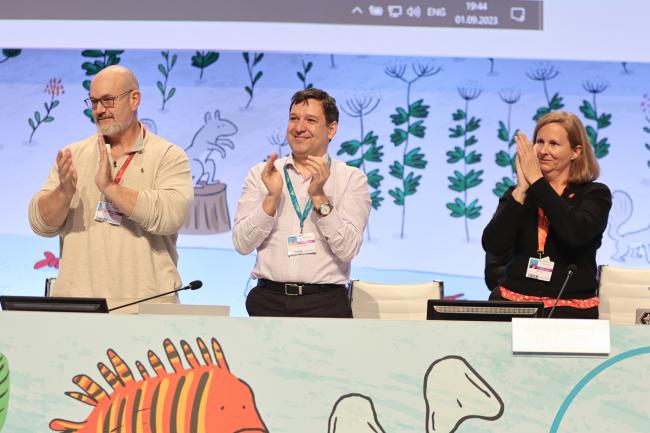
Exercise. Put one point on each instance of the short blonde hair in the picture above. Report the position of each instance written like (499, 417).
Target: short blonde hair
(585, 167)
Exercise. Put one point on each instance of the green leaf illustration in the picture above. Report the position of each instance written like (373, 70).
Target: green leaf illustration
(308, 67)
(473, 157)
(257, 76)
(473, 178)
(89, 114)
(31, 123)
(396, 170)
(503, 159)
(302, 77)
(417, 130)
(376, 199)
(501, 187)
(418, 110)
(373, 154)
(455, 155)
(647, 146)
(588, 110)
(458, 115)
(355, 162)
(604, 120)
(160, 87)
(4, 389)
(11, 52)
(374, 178)
(601, 149)
(162, 70)
(37, 116)
(457, 208)
(350, 147)
(591, 134)
(370, 138)
(415, 159)
(556, 102)
(171, 93)
(400, 118)
(398, 136)
(457, 182)
(456, 132)
(473, 211)
(92, 53)
(258, 58)
(503, 132)
(471, 141)
(646, 129)
(541, 111)
(411, 184)
(54, 103)
(86, 85)
(48, 119)
(473, 124)
(250, 93)
(398, 196)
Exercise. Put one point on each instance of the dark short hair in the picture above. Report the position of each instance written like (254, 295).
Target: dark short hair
(329, 103)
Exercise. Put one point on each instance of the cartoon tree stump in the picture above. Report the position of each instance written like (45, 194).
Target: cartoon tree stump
(209, 211)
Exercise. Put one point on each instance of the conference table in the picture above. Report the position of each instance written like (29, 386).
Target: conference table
(156, 373)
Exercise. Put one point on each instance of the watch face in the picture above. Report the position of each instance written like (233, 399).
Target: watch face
(325, 209)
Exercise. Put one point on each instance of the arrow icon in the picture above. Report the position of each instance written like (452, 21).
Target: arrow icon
(357, 10)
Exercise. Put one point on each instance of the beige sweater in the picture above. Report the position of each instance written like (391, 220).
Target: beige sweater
(137, 259)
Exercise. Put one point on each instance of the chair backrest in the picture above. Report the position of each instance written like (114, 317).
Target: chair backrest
(622, 291)
(393, 301)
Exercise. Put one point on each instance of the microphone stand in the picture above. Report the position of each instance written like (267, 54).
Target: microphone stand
(192, 286)
(566, 280)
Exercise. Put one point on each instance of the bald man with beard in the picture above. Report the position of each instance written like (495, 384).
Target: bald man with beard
(116, 200)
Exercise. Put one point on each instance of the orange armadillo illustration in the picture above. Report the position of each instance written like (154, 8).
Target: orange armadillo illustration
(199, 399)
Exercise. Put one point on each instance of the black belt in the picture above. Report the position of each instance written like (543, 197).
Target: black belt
(295, 289)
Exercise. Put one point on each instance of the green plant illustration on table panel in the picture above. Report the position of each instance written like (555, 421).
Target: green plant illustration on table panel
(603, 120)
(280, 141)
(402, 136)
(506, 158)
(165, 70)
(366, 148)
(461, 182)
(203, 59)
(4, 389)
(254, 77)
(9, 53)
(645, 107)
(302, 75)
(102, 59)
(53, 88)
(545, 73)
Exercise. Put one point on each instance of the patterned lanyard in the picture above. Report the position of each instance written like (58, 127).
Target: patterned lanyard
(302, 215)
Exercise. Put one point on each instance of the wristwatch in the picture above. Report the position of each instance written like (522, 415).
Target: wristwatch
(324, 209)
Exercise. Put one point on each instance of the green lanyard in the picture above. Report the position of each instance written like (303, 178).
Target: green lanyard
(302, 215)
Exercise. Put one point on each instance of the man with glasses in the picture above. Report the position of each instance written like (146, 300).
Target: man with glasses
(117, 200)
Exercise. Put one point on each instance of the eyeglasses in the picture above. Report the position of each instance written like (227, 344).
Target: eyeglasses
(106, 101)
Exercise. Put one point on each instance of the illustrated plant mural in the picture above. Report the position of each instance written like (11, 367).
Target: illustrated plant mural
(4, 389)
(203, 59)
(280, 141)
(461, 182)
(506, 158)
(491, 72)
(53, 88)
(250, 66)
(102, 59)
(603, 120)
(165, 70)
(9, 53)
(645, 107)
(302, 75)
(545, 73)
(359, 108)
(401, 136)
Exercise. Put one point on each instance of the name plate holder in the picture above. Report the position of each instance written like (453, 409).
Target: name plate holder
(563, 337)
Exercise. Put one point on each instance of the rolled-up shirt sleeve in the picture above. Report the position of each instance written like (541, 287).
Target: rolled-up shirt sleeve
(162, 210)
(343, 228)
(36, 220)
(252, 225)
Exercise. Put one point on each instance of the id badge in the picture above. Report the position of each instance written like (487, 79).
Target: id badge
(540, 269)
(100, 212)
(114, 215)
(300, 244)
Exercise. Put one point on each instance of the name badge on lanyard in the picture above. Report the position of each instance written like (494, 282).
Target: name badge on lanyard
(541, 268)
(107, 211)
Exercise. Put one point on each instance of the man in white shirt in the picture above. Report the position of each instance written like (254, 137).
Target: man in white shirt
(305, 214)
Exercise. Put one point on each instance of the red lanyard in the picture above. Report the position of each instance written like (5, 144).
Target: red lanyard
(543, 225)
(120, 173)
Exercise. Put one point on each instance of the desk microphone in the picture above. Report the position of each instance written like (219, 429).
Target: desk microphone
(571, 270)
(194, 285)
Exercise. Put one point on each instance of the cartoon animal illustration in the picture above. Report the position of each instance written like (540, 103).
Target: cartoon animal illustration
(630, 245)
(453, 392)
(354, 413)
(209, 138)
(4, 389)
(200, 398)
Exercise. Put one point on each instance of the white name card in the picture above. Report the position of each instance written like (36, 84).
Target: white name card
(560, 336)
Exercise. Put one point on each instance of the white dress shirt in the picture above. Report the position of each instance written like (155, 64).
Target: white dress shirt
(339, 235)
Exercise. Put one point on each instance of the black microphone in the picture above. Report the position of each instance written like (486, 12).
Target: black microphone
(571, 270)
(194, 285)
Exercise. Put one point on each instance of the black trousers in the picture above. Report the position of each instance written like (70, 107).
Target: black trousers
(560, 312)
(329, 303)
